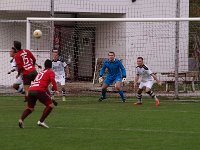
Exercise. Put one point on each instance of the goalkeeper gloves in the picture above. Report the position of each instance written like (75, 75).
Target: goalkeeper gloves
(100, 79)
(123, 79)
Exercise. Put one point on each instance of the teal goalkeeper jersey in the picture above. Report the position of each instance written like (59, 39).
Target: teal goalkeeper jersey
(115, 68)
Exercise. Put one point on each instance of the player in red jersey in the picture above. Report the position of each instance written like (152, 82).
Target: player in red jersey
(26, 65)
(39, 91)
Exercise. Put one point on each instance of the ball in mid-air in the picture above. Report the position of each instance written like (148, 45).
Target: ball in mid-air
(37, 33)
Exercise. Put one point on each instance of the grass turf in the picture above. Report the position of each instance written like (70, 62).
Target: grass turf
(83, 123)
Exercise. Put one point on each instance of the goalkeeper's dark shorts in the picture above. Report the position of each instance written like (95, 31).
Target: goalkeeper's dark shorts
(27, 78)
(42, 96)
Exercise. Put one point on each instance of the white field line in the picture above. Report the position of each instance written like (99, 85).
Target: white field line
(130, 129)
(106, 129)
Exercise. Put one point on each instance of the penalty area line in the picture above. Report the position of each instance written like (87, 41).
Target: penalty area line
(130, 129)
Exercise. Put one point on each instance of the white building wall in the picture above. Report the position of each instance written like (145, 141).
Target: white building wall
(25, 5)
(111, 36)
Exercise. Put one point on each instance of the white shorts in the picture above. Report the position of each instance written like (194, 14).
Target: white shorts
(148, 84)
(19, 80)
(60, 79)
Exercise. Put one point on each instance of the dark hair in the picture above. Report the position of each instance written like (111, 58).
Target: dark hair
(14, 49)
(47, 64)
(140, 58)
(111, 53)
(17, 45)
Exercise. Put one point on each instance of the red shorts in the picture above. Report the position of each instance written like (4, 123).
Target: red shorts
(42, 96)
(27, 78)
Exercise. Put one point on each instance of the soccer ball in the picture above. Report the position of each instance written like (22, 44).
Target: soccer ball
(37, 34)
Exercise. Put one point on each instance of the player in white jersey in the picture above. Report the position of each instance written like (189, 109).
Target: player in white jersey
(18, 85)
(61, 70)
(147, 78)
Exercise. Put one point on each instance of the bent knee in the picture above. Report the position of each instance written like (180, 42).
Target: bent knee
(139, 91)
(118, 88)
(104, 86)
(51, 105)
(63, 89)
(148, 90)
(15, 86)
(31, 109)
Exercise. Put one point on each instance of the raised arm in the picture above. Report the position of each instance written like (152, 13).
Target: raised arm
(14, 68)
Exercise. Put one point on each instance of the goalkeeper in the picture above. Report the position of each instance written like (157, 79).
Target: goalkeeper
(116, 73)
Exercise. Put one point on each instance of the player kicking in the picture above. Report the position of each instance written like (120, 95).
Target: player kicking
(116, 73)
(39, 91)
(18, 85)
(147, 81)
(61, 69)
(26, 66)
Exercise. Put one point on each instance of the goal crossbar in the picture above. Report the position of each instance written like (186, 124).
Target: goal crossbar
(116, 19)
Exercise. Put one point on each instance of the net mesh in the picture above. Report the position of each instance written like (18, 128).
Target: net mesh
(84, 46)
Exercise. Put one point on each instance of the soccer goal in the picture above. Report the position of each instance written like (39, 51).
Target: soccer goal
(170, 48)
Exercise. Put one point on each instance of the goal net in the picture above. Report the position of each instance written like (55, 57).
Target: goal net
(170, 48)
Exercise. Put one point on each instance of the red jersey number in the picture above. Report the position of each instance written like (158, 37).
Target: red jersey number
(39, 76)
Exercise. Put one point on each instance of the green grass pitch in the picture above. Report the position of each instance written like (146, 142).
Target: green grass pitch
(82, 123)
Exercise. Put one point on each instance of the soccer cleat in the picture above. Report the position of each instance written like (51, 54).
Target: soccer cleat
(157, 102)
(138, 103)
(21, 124)
(55, 103)
(124, 100)
(101, 99)
(42, 124)
(63, 99)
